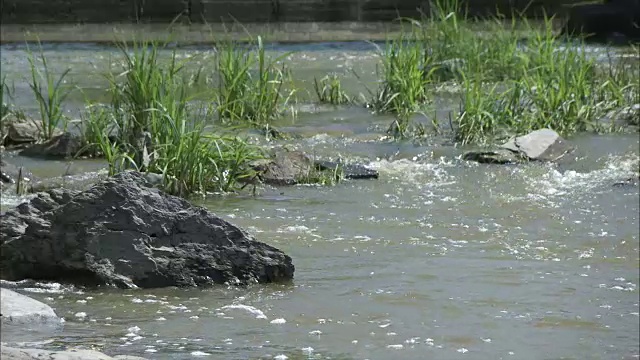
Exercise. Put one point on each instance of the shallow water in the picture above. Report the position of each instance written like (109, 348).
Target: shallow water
(439, 258)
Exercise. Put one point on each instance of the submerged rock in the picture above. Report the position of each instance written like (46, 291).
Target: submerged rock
(630, 182)
(498, 156)
(66, 145)
(18, 309)
(123, 233)
(12, 353)
(349, 171)
(294, 167)
(540, 145)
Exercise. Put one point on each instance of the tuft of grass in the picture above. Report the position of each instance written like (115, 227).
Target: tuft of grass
(406, 71)
(402, 88)
(250, 84)
(4, 91)
(50, 94)
(510, 87)
(329, 90)
(151, 126)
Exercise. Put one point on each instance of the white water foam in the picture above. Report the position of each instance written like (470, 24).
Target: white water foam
(246, 308)
(555, 183)
(408, 171)
(11, 201)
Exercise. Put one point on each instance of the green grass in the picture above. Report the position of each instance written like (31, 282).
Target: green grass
(404, 78)
(153, 121)
(251, 86)
(4, 91)
(50, 93)
(508, 86)
(5, 108)
(329, 90)
(151, 126)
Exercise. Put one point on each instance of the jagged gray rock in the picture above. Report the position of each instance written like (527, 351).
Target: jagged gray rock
(539, 145)
(122, 232)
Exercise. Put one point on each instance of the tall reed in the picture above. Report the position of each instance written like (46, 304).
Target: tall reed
(50, 94)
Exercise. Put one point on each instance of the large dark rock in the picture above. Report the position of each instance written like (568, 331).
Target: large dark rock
(123, 233)
(614, 20)
(66, 145)
(541, 145)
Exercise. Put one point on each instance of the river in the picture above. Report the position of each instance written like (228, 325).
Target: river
(437, 259)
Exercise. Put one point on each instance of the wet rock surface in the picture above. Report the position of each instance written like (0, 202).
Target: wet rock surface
(123, 233)
(498, 156)
(66, 145)
(294, 167)
(541, 145)
(284, 168)
(349, 171)
(628, 183)
(18, 309)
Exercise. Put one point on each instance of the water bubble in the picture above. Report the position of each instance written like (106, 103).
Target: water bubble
(199, 353)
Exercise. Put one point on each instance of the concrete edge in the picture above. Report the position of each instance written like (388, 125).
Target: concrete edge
(199, 33)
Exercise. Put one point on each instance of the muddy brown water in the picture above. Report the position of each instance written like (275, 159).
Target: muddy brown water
(437, 259)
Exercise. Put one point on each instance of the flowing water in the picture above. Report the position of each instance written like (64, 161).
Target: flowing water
(437, 259)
